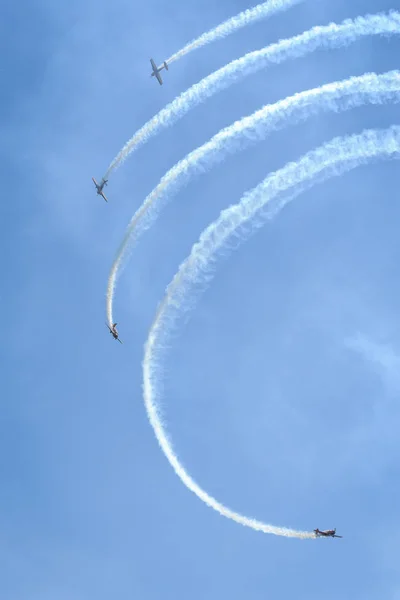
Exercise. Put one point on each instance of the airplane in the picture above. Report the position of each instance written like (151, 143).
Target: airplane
(156, 70)
(114, 332)
(99, 188)
(326, 533)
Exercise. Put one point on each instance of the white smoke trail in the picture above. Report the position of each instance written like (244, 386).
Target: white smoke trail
(326, 37)
(336, 96)
(332, 159)
(251, 15)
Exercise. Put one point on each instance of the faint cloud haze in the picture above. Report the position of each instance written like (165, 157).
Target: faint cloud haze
(382, 357)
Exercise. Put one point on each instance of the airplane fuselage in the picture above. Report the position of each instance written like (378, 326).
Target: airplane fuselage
(100, 186)
(157, 70)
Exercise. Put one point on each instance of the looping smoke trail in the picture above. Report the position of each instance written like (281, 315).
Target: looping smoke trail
(251, 15)
(336, 96)
(331, 159)
(328, 36)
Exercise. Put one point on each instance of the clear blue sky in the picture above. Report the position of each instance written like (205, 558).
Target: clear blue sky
(282, 391)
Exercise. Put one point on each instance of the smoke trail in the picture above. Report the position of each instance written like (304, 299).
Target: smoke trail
(326, 37)
(331, 159)
(336, 96)
(251, 15)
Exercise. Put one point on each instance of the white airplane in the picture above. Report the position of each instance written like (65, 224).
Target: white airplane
(99, 188)
(156, 70)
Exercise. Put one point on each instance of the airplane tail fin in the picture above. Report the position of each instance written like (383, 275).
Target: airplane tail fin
(165, 64)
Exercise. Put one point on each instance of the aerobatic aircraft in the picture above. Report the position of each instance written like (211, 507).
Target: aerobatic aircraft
(114, 332)
(156, 70)
(99, 187)
(326, 533)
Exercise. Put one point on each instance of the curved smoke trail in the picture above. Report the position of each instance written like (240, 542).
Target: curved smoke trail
(327, 37)
(336, 96)
(331, 159)
(251, 15)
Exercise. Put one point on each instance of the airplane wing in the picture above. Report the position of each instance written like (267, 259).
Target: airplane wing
(157, 73)
(121, 343)
(104, 196)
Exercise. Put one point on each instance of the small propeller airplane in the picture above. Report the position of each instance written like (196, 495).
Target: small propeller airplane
(99, 187)
(156, 70)
(326, 533)
(114, 332)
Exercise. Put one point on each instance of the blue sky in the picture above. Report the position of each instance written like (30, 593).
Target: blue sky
(282, 390)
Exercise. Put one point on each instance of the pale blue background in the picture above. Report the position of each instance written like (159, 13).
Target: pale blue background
(282, 395)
